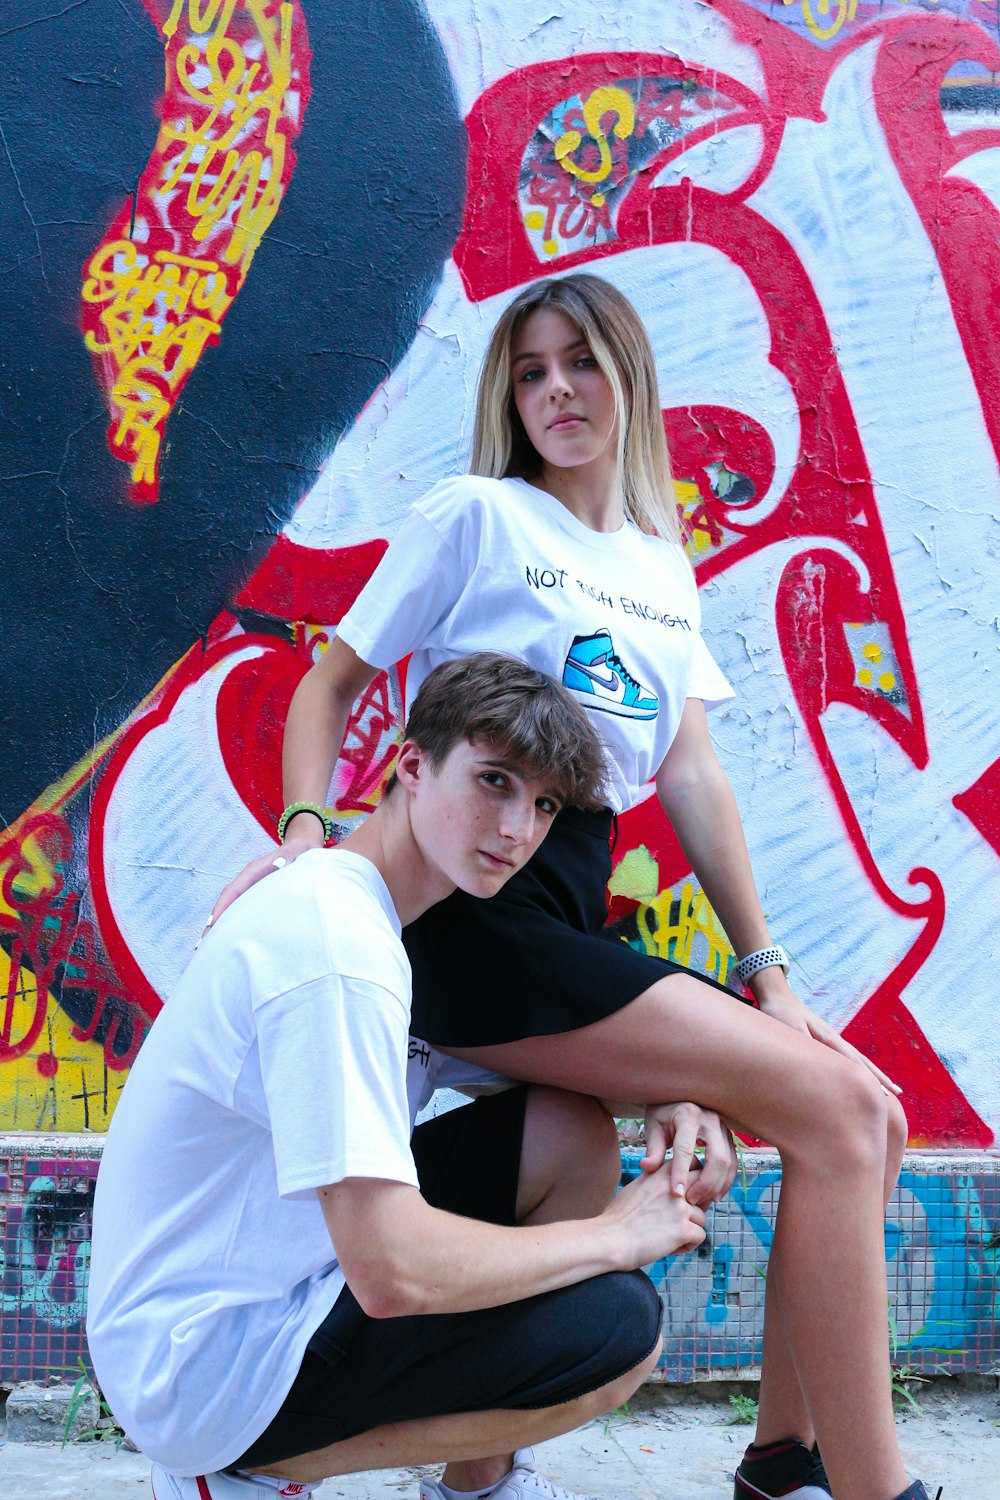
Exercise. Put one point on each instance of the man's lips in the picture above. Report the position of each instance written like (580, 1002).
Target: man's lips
(497, 860)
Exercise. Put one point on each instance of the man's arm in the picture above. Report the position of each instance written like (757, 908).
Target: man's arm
(400, 1256)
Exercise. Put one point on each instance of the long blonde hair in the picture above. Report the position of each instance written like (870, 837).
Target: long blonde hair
(621, 347)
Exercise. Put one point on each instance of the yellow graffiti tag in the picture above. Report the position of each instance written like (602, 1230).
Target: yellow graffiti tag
(223, 170)
(602, 101)
(159, 286)
(153, 354)
(78, 1093)
(668, 935)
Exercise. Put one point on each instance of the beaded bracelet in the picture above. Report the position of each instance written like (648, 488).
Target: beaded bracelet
(762, 958)
(294, 808)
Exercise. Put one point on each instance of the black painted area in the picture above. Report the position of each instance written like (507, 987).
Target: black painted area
(99, 596)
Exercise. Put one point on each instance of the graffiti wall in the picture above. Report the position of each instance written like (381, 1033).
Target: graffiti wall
(942, 1251)
(250, 252)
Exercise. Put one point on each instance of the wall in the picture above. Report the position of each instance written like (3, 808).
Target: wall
(249, 255)
(942, 1252)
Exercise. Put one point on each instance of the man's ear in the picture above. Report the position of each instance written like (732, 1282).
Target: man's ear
(410, 764)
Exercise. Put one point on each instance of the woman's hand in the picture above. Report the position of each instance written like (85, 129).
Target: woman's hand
(683, 1127)
(777, 999)
(265, 864)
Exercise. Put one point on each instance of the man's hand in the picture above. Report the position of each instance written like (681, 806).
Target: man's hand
(683, 1127)
(655, 1220)
(778, 1000)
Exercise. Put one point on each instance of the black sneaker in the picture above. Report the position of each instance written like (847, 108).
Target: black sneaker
(788, 1470)
(917, 1491)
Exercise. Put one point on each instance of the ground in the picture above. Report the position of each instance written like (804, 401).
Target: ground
(668, 1445)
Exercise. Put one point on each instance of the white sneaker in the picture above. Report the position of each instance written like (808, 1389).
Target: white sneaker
(222, 1487)
(522, 1483)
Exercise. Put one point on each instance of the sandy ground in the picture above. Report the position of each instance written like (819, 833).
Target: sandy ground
(664, 1449)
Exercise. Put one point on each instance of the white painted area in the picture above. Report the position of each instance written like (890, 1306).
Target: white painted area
(484, 40)
(834, 192)
(722, 162)
(982, 169)
(176, 831)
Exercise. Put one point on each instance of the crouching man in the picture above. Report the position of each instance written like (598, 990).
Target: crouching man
(264, 1232)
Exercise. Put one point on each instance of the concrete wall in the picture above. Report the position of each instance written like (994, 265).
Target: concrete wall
(249, 255)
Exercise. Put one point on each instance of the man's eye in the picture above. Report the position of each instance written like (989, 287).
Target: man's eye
(547, 806)
(494, 778)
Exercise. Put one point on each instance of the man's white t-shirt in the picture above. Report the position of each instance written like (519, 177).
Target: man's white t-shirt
(498, 565)
(281, 1063)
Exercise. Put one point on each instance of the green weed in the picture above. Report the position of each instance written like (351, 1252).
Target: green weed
(744, 1409)
(107, 1430)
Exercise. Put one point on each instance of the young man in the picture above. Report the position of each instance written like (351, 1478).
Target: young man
(263, 1232)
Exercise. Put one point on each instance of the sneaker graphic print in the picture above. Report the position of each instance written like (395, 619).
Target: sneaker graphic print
(594, 672)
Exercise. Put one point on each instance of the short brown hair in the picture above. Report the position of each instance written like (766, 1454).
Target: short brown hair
(620, 345)
(523, 714)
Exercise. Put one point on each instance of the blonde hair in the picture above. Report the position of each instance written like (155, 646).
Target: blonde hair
(621, 347)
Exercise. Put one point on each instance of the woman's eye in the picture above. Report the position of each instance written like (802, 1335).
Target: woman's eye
(528, 376)
(587, 362)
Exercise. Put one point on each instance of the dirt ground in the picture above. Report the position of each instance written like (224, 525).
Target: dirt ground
(673, 1444)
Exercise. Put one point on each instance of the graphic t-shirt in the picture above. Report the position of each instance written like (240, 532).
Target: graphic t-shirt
(498, 565)
(282, 1062)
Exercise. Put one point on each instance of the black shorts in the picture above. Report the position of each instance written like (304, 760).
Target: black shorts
(535, 959)
(359, 1372)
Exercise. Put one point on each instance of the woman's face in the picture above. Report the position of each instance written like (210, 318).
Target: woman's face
(562, 395)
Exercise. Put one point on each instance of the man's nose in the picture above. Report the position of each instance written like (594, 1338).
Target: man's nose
(518, 823)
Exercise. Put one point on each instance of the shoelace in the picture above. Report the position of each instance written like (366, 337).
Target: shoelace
(616, 662)
(554, 1491)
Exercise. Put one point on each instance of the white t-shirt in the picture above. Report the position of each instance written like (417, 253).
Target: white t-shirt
(496, 564)
(281, 1063)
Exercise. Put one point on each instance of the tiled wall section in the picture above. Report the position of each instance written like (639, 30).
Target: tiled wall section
(942, 1246)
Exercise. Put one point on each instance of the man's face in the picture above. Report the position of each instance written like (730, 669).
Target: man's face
(478, 817)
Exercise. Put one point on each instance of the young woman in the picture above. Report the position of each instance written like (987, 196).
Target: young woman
(562, 547)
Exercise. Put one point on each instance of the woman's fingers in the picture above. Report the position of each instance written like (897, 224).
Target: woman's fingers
(719, 1170)
(837, 1043)
(657, 1142)
(265, 864)
(687, 1121)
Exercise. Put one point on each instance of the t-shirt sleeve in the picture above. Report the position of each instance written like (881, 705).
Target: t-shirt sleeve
(706, 679)
(415, 585)
(333, 1070)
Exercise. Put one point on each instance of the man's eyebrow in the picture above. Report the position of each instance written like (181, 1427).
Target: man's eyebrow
(566, 349)
(497, 763)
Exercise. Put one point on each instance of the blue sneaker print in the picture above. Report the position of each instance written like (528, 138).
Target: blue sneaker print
(594, 672)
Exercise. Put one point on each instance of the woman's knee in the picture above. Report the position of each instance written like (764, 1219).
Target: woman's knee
(897, 1136)
(851, 1120)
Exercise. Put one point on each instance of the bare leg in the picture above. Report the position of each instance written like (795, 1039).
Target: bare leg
(463, 1435)
(570, 1167)
(828, 1118)
(783, 1412)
